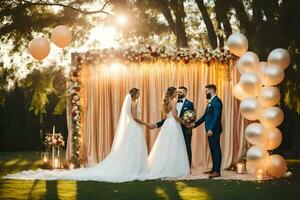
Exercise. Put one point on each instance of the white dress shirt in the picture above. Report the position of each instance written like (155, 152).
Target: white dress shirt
(180, 105)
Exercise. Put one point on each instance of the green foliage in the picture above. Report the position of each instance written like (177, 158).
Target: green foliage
(60, 106)
(42, 83)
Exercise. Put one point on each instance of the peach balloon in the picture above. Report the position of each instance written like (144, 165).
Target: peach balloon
(274, 138)
(277, 166)
(250, 108)
(279, 57)
(39, 48)
(255, 134)
(61, 36)
(272, 75)
(249, 62)
(239, 93)
(269, 96)
(250, 83)
(237, 43)
(271, 117)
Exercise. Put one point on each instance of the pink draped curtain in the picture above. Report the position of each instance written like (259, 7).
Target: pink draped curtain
(104, 87)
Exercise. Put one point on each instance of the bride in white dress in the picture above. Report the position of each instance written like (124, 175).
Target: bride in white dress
(168, 157)
(126, 161)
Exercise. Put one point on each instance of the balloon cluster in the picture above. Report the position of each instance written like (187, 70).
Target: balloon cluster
(259, 96)
(39, 47)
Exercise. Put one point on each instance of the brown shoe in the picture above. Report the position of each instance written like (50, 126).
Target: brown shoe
(208, 172)
(215, 175)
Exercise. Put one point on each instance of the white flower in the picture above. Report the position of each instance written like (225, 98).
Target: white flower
(73, 68)
(76, 97)
(178, 58)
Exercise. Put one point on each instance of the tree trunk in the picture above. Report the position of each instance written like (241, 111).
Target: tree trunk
(208, 23)
(222, 10)
(177, 26)
(242, 17)
(178, 8)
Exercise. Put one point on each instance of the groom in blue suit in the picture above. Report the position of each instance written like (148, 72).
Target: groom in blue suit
(213, 127)
(183, 104)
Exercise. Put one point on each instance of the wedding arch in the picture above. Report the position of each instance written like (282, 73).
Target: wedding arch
(99, 80)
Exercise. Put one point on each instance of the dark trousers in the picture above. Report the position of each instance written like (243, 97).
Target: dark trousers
(188, 141)
(215, 149)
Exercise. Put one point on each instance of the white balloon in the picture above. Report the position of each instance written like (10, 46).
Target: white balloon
(250, 83)
(257, 157)
(271, 117)
(248, 62)
(250, 108)
(238, 44)
(269, 96)
(279, 57)
(256, 134)
(239, 93)
(272, 75)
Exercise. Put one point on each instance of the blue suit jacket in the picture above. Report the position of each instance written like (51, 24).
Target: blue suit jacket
(187, 105)
(212, 116)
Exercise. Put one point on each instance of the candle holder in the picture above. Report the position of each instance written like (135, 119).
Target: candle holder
(71, 166)
(45, 160)
(240, 168)
(56, 157)
(56, 163)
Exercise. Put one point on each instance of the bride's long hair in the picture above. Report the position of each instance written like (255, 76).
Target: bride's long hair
(167, 98)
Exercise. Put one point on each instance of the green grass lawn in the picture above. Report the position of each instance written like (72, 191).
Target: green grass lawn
(11, 162)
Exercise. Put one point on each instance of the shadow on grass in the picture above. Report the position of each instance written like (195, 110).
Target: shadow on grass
(155, 189)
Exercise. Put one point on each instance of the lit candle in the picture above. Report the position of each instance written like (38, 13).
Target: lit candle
(240, 168)
(56, 163)
(71, 166)
(45, 159)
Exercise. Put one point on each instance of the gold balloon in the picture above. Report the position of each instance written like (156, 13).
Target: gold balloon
(239, 93)
(237, 43)
(257, 157)
(249, 62)
(277, 166)
(274, 138)
(250, 83)
(61, 36)
(272, 75)
(39, 48)
(271, 117)
(255, 134)
(250, 108)
(279, 57)
(269, 96)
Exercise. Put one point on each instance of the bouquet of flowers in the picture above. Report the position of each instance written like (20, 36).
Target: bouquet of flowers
(189, 116)
(55, 139)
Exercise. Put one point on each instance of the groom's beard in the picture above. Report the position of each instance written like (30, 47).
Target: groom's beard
(181, 96)
(208, 96)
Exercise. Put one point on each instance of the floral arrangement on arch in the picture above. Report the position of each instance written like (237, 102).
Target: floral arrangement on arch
(55, 139)
(150, 53)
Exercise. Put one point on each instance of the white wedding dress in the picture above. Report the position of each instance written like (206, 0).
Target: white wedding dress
(127, 160)
(168, 157)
